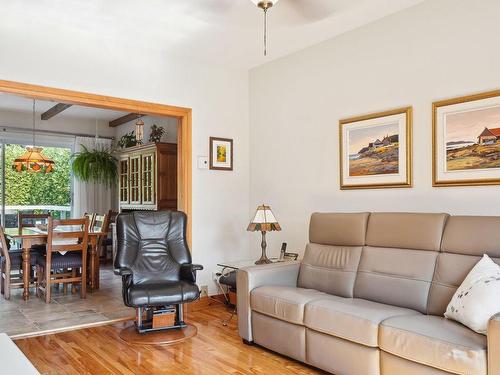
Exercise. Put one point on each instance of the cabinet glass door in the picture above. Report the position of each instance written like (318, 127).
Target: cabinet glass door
(135, 179)
(124, 179)
(148, 178)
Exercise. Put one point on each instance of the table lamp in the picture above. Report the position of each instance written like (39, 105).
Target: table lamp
(263, 221)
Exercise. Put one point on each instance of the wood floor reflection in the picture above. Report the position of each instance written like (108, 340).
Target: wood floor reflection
(215, 350)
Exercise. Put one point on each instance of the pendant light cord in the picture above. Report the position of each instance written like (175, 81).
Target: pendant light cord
(265, 32)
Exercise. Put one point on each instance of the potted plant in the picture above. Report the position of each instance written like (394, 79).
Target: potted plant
(127, 140)
(156, 133)
(97, 166)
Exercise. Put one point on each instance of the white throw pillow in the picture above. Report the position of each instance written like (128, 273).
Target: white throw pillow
(478, 298)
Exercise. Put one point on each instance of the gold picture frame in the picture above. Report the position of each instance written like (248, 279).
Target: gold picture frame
(399, 173)
(445, 149)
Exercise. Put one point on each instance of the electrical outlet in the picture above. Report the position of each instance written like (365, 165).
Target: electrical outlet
(204, 291)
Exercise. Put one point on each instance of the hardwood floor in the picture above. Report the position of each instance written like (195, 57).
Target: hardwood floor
(215, 350)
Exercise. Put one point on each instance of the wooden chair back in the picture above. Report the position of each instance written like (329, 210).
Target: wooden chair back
(29, 220)
(4, 252)
(91, 217)
(67, 235)
(7, 280)
(100, 222)
(112, 216)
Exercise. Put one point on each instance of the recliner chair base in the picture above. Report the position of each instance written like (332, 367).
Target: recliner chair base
(146, 325)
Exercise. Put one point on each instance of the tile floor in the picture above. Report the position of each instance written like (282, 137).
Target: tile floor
(19, 318)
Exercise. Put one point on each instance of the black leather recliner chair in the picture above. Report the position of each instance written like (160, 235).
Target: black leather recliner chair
(154, 261)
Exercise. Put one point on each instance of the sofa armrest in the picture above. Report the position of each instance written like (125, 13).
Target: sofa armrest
(493, 335)
(249, 278)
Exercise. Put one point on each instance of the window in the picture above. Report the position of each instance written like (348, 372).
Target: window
(36, 192)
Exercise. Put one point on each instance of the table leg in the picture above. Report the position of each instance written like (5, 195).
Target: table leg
(26, 270)
(92, 264)
(97, 265)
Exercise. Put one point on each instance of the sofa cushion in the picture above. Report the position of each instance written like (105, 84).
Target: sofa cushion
(472, 235)
(435, 341)
(339, 229)
(282, 302)
(398, 277)
(352, 319)
(419, 231)
(330, 269)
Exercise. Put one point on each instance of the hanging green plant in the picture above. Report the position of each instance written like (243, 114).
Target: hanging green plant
(95, 166)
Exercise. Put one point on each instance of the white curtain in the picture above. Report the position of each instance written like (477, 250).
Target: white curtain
(91, 197)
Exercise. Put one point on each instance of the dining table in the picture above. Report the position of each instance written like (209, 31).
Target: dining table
(29, 236)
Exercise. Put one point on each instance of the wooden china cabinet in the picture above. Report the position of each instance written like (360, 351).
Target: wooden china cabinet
(148, 177)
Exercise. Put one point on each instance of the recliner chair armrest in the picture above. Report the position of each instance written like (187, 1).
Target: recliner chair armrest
(188, 271)
(249, 278)
(122, 271)
(493, 335)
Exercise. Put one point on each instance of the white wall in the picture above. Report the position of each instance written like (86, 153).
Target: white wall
(218, 97)
(168, 123)
(435, 50)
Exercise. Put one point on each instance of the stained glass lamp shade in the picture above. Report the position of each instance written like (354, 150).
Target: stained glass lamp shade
(33, 159)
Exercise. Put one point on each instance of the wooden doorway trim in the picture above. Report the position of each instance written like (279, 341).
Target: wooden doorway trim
(126, 105)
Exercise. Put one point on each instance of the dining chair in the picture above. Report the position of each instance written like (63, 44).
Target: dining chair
(91, 217)
(107, 241)
(67, 242)
(31, 221)
(11, 275)
(101, 224)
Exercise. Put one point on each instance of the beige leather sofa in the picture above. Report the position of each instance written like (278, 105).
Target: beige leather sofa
(370, 294)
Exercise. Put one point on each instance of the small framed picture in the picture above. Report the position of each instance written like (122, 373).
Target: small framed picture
(221, 154)
(375, 150)
(466, 140)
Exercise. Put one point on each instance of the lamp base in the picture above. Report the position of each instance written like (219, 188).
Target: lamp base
(263, 260)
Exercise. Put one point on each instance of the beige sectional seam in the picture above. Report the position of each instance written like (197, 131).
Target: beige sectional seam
(393, 275)
(340, 337)
(328, 268)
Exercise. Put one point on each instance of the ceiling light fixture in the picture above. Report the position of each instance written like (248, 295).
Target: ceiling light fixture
(33, 159)
(265, 5)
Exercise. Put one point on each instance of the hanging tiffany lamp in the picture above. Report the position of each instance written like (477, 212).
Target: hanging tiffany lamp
(33, 159)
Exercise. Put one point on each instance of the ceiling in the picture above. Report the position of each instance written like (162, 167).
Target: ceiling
(226, 32)
(20, 104)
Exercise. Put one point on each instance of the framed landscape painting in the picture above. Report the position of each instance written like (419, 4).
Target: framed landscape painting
(375, 150)
(466, 140)
(221, 154)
